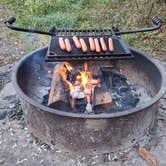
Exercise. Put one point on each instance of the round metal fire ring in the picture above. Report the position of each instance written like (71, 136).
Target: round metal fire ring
(87, 133)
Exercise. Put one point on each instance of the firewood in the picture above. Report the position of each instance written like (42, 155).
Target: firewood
(106, 72)
(57, 96)
(72, 103)
(102, 98)
(147, 156)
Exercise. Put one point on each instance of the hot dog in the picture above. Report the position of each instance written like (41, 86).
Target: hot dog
(83, 45)
(103, 45)
(92, 44)
(97, 45)
(62, 43)
(68, 46)
(76, 42)
(110, 44)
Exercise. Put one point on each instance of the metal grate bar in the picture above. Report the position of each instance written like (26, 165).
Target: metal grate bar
(83, 32)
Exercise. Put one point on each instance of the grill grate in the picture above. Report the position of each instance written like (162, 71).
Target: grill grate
(121, 51)
(54, 53)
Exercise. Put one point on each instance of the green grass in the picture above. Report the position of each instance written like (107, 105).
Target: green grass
(81, 14)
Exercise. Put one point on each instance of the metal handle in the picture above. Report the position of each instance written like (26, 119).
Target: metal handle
(155, 20)
(52, 31)
(8, 22)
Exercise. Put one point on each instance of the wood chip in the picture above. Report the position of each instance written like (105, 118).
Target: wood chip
(150, 159)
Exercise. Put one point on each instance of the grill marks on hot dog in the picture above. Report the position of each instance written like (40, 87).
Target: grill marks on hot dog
(97, 45)
(103, 45)
(76, 42)
(83, 45)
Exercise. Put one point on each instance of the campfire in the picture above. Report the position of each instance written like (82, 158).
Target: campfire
(88, 100)
(84, 88)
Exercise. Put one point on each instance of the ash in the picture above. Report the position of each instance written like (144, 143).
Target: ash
(126, 95)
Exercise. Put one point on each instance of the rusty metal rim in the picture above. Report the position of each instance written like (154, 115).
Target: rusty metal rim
(89, 116)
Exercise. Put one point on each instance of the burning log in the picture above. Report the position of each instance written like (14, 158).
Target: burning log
(86, 92)
(57, 96)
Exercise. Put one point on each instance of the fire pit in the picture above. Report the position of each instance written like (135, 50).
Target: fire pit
(79, 132)
(94, 103)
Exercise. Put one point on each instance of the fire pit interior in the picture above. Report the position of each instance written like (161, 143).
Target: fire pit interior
(91, 87)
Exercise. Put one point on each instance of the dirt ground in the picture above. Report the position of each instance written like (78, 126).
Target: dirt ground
(19, 147)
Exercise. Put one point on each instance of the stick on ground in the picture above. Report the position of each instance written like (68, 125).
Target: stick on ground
(147, 156)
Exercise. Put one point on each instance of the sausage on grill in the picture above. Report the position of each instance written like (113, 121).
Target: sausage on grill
(92, 44)
(76, 42)
(110, 43)
(97, 45)
(103, 45)
(62, 44)
(83, 45)
(68, 45)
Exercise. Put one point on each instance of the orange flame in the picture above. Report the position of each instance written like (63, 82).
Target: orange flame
(63, 71)
(68, 66)
(84, 76)
(84, 79)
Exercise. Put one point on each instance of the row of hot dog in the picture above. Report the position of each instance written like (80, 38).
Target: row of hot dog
(95, 44)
